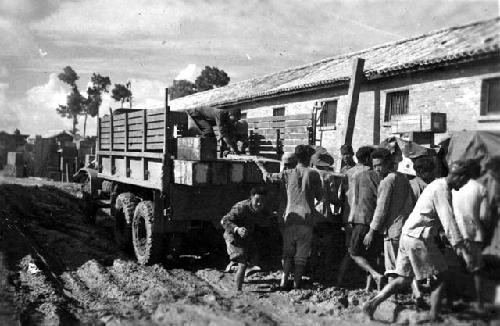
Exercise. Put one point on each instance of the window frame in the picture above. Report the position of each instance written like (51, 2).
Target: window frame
(324, 112)
(485, 97)
(387, 113)
(279, 109)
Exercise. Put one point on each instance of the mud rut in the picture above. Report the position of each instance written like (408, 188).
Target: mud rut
(57, 270)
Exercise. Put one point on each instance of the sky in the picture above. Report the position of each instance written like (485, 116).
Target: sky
(152, 42)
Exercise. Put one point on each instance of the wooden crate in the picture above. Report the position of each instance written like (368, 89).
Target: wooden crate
(427, 122)
(197, 149)
(219, 173)
(191, 172)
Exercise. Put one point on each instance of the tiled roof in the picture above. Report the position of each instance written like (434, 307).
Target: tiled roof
(438, 48)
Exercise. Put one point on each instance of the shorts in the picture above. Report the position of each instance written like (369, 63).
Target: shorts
(356, 246)
(297, 241)
(391, 248)
(238, 249)
(474, 257)
(419, 257)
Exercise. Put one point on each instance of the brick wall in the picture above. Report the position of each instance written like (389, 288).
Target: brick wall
(455, 91)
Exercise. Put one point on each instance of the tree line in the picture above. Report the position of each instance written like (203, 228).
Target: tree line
(79, 105)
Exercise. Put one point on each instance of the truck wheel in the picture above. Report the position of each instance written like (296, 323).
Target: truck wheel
(124, 214)
(147, 243)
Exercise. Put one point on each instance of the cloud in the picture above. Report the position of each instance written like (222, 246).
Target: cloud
(4, 72)
(27, 9)
(191, 72)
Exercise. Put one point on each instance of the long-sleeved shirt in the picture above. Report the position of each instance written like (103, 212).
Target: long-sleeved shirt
(471, 208)
(417, 185)
(433, 208)
(242, 215)
(394, 203)
(347, 188)
(303, 185)
(364, 197)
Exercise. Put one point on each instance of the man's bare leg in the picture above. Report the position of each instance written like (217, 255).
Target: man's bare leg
(388, 290)
(240, 276)
(478, 288)
(436, 296)
(287, 268)
(365, 265)
(297, 275)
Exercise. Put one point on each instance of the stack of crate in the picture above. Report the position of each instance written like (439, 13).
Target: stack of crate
(197, 164)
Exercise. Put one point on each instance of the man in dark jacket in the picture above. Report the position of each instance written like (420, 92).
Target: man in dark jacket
(239, 225)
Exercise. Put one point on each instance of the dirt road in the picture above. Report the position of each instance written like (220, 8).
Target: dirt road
(56, 270)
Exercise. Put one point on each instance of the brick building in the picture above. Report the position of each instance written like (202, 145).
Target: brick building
(455, 71)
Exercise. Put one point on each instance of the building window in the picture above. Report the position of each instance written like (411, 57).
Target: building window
(328, 117)
(279, 112)
(396, 103)
(490, 96)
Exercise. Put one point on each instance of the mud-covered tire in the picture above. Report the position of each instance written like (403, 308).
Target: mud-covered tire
(124, 214)
(147, 242)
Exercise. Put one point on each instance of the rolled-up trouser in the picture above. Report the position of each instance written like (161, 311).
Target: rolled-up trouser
(391, 247)
(297, 241)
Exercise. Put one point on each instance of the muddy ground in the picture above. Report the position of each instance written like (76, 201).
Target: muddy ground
(56, 270)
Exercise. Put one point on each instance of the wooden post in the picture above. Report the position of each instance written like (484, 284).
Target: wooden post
(111, 133)
(353, 99)
(167, 160)
(144, 143)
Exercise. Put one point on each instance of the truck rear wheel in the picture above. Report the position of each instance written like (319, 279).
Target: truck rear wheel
(124, 214)
(147, 243)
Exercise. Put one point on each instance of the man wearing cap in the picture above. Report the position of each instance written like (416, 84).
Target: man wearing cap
(418, 254)
(326, 226)
(226, 121)
(394, 205)
(303, 187)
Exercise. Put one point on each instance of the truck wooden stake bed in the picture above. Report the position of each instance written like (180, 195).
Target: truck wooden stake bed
(155, 198)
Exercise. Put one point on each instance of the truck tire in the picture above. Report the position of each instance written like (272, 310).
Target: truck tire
(124, 214)
(147, 243)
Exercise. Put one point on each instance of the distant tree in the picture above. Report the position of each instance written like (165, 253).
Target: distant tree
(73, 108)
(75, 102)
(211, 77)
(121, 94)
(99, 85)
(181, 88)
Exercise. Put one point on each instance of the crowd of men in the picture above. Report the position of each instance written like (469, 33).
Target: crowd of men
(385, 215)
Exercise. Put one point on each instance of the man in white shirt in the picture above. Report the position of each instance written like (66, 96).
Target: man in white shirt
(471, 209)
(418, 254)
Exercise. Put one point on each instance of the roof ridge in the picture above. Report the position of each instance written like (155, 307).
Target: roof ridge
(351, 54)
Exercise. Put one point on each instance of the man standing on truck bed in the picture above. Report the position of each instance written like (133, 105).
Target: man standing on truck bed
(227, 121)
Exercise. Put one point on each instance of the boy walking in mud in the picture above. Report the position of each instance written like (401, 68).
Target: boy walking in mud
(239, 225)
(418, 254)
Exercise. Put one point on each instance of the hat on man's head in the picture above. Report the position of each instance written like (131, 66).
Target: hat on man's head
(346, 149)
(463, 167)
(289, 158)
(321, 157)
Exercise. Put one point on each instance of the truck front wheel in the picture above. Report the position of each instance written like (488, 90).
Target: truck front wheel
(147, 243)
(124, 213)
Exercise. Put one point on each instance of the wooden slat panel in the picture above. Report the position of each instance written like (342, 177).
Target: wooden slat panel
(119, 146)
(133, 120)
(118, 123)
(154, 132)
(155, 139)
(295, 142)
(296, 136)
(155, 146)
(118, 128)
(155, 118)
(135, 146)
(156, 111)
(135, 114)
(105, 119)
(135, 134)
(295, 123)
(119, 134)
(297, 129)
(156, 125)
(135, 127)
(105, 136)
